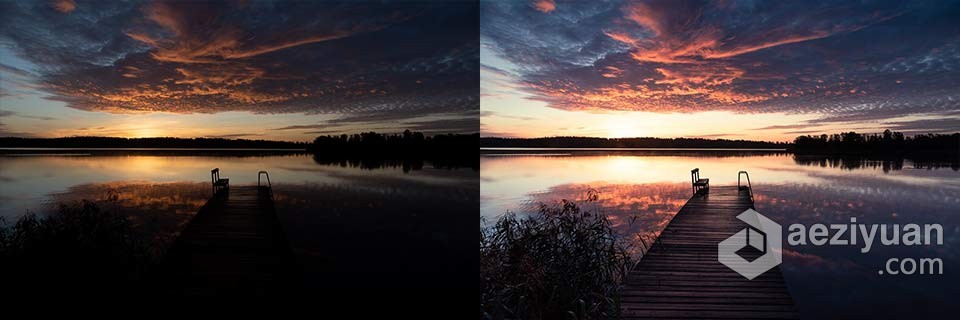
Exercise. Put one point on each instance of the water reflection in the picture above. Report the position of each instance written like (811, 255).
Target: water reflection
(886, 164)
(158, 210)
(406, 164)
(343, 235)
(343, 219)
(829, 280)
(635, 210)
(826, 281)
(29, 180)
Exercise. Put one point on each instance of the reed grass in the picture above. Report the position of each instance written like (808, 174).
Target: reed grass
(79, 249)
(560, 263)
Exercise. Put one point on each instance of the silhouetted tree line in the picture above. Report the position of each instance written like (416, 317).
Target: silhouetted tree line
(888, 142)
(111, 142)
(588, 142)
(396, 146)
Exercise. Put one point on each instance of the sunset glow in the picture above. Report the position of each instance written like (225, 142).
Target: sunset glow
(256, 70)
(735, 70)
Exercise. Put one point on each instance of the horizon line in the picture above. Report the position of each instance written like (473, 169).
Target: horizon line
(236, 138)
(716, 138)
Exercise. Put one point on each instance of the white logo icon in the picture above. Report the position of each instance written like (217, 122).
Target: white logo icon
(755, 249)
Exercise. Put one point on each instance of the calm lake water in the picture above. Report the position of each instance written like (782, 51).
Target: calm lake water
(345, 219)
(641, 190)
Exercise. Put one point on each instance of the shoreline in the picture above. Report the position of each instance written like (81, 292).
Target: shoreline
(145, 149)
(627, 149)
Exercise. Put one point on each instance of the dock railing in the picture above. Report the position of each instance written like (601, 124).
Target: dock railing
(748, 186)
(268, 186)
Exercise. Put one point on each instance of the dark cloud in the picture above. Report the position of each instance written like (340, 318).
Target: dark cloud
(408, 58)
(85, 128)
(487, 113)
(300, 127)
(455, 122)
(3, 126)
(805, 131)
(15, 81)
(843, 61)
(14, 71)
(38, 117)
(64, 6)
(235, 135)
(452, 125)
(716, 135)
(942, 125)
(788, 126)
(6, 113)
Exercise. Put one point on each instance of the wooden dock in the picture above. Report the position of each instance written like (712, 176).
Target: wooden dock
(680, 277)
(233, 246)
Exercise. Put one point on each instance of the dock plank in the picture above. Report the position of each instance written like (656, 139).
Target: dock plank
(680, 277)
(233, 246)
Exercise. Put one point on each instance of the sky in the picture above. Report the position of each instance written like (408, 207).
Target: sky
(287, 70)
(763, 70)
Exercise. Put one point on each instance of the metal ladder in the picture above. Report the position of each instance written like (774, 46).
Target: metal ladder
(268, 186)
(748, 187)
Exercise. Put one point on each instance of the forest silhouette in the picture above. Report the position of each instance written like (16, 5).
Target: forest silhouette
(888, 142)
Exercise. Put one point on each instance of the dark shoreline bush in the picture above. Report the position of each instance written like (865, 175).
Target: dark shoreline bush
(80, 249)
(559, 263)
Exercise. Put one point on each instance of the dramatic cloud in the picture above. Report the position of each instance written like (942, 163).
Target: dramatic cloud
(65, 6)
(544, 5)
(455, 122)
(357, 58)
(234, 135)
(841, 61)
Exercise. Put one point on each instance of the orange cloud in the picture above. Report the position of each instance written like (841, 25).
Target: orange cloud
(167, 16)
(217, 42)
(142, 38)
(612, 72)
(764, 45)
(680, 36)
(545, 6)
(646, 16)
(712, 75)
(622, 37)
(689, 54)
(64, 6)
(232, 76)
(235, 54)
(709, 85)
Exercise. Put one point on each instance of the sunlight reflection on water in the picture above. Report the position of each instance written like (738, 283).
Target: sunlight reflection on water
(341, 217)
(649, 187)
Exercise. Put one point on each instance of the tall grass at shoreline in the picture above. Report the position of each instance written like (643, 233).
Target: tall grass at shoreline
(81, 248)
(562, 262)
(96, 240)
